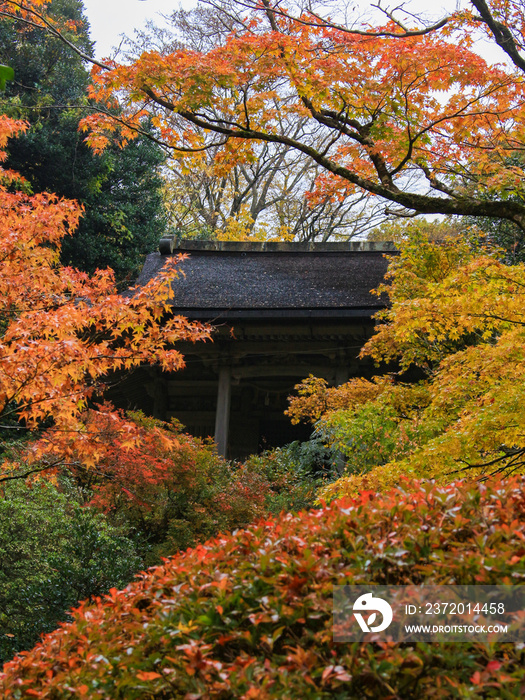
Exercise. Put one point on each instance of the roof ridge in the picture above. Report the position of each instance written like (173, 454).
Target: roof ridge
(171, 244)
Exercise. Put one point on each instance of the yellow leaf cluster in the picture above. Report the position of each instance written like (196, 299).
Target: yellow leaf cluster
(457, 314)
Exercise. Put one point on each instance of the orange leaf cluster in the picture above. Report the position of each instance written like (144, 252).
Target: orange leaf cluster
(315, 399)
(379, 109)
(369, 109)
(63, 332)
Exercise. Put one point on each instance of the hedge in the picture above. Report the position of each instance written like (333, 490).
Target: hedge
(53, 554)
(248, 615)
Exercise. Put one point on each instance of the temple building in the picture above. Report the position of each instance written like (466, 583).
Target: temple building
(280, 312)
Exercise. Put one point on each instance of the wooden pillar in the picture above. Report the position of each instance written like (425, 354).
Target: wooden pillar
(222, 416)
(341, 376)
(160, 394)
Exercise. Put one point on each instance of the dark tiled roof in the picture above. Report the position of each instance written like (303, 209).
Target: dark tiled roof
(248, 283)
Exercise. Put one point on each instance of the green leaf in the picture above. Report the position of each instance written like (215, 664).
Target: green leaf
(6, 73)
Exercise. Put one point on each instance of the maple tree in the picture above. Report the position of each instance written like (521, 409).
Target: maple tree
(398, 102)
(63, 332)
(456, 314)
(412, 115)
(154, 479)
(262, 199)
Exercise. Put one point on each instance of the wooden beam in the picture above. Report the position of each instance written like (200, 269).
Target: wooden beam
(297, 371)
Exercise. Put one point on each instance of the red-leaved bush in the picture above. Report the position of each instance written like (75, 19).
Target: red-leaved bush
(157, 482)
(249, 615)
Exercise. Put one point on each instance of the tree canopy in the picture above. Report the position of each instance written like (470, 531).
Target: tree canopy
(265, 197)
(405, 112)
(120, 190)
(409, 113)
(404, 107)
(456, 315)
(62, 331)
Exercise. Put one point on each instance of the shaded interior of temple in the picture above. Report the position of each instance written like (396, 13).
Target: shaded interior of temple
(260, 364)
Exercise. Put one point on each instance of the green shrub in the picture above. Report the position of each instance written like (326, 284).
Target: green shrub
(293, 474)
(53, 553)
(249, 615)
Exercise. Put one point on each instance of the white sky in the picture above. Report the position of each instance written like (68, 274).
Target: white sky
(110, 18)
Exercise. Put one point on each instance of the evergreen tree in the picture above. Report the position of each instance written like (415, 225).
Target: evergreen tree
(120, 189)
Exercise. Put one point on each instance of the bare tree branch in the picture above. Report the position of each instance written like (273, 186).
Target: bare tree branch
(501, 33)
(272, 11)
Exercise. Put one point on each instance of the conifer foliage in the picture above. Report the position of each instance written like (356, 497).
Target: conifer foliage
(120, 190)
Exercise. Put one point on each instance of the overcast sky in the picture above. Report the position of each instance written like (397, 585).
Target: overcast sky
(110, 18)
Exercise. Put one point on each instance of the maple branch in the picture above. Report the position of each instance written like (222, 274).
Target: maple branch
(435, 183)
(494, 317)
(48, 26)
(271, 12)
(333, 120)
(501, 33)
(36, 470)
(245, 105)
(514, 456)
(402, 214)
(108, 476)
(425, 204)
(506, 278)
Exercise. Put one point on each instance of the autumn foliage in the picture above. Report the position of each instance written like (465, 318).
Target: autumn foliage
(62, 336)
(393, 108)
(455, 315)
(249, 614)
(414, 117)
(63, 332)
(154, 479)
